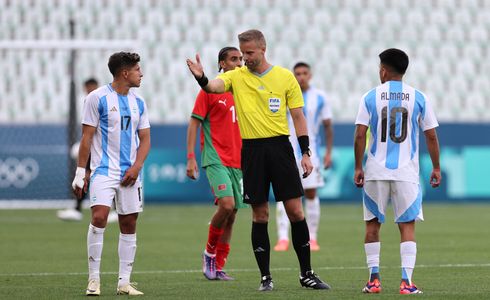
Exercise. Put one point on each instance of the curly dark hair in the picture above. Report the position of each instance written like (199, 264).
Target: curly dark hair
(122, 60)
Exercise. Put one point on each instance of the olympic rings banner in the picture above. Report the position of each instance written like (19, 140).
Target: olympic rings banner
(33, 163)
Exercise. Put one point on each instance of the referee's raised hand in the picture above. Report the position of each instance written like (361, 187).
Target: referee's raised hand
(195, 67)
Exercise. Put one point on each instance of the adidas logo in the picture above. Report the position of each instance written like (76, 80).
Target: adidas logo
(246, 197)
(91, 259)
(259, 249)
(309, 282)
(114, 109)
(306, 245)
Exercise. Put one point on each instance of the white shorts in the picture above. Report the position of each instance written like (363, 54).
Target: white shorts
(406, 198)
(128, 200)
(315, 179)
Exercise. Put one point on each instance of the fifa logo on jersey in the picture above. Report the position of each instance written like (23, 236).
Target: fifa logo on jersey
(274, 104)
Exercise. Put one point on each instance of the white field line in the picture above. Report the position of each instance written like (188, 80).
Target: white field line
(482, 265)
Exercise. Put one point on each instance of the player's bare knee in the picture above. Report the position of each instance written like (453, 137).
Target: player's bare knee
(296, 215)
(127, 225)
(310, 193)
(260, 215)
(372, 236)
(227, 206)
(231, 218)
(99, 220)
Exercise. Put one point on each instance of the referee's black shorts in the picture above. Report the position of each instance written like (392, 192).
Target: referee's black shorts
(269, 161)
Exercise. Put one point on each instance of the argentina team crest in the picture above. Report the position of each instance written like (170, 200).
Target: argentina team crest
(274, 104)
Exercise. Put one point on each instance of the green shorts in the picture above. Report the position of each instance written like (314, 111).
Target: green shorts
(226, 182)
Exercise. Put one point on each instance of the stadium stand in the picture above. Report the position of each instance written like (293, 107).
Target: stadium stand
(447, 41)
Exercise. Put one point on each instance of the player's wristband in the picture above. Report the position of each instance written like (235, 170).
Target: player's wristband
(80, 172)
(191, 155)
(304, 144)
(79, 176)
(203, 81)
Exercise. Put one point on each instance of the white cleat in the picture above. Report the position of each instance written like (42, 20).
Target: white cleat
(128, 289)
(113, 217)
(70, 214)
(93, 288)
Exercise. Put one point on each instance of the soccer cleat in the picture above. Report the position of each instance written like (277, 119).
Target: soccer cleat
(409, 289)
(221, 275)
(372, 287)
(128, 289)
(113, 217)
(93, 288)
(314, 245)
(311, 280)
(209, 266)
(282, 245)
(266, 284)
(70, 214)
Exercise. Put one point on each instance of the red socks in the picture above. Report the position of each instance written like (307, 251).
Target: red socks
(213, 237)
(221, 255)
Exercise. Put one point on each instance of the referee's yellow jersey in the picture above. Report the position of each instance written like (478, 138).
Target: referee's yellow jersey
(261, 100)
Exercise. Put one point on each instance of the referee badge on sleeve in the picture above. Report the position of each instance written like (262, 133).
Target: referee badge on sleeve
(274, 104)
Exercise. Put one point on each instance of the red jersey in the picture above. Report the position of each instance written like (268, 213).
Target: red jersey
(221, 142)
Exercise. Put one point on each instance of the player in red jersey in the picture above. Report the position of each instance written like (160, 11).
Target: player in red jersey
(221, 144)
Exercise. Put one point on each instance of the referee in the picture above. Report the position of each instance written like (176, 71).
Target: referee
(263, 93)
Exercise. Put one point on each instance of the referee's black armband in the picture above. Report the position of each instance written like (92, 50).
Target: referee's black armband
(203, 81)
(304, 144)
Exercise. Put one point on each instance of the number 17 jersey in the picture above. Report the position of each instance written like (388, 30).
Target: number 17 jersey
(394, 112)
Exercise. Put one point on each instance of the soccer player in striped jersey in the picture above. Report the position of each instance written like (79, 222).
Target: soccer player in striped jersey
(221, 144)
(394, 112)
(318, 112)
(116, 133)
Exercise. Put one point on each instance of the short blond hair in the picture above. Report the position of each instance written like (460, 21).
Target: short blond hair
(252, 35)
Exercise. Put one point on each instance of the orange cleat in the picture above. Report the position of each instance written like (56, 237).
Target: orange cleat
(282, 245)
(372, 287)
(314, 245)
(406, 289)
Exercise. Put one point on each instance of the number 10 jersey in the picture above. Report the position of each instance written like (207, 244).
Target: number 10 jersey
(394, 112)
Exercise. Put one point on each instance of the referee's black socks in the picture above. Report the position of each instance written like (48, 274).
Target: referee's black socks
(301, 243)
(261, 247)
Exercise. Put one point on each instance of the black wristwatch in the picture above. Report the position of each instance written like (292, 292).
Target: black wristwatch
(307, 152)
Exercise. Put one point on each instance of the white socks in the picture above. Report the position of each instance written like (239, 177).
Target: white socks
(127, 251)
(282, 222)
(313, 216)
(408, 253)
(372, 256)
(95, 240)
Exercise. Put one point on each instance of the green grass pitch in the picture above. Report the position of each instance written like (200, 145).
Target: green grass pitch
(42, 257)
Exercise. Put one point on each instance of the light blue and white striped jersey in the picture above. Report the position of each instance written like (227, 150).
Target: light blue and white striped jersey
(317, 108)
(117, 119)
(394, 111)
